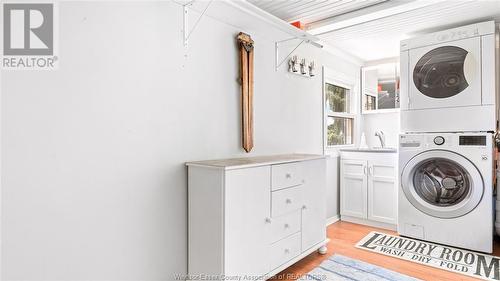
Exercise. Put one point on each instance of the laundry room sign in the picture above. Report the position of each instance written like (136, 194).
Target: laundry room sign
(461, 261)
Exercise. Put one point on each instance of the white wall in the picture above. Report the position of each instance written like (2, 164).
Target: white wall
(385, 122)
(93, 176)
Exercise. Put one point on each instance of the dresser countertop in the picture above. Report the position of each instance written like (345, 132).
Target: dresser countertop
(246, 162)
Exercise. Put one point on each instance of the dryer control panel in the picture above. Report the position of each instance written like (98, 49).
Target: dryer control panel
(445, 141)
(410, 141)
(472, 140)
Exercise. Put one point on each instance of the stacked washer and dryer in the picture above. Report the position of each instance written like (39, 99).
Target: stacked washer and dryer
(446, 150)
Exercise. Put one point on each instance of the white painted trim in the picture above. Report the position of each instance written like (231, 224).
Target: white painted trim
(377, 224)
(332, 220)
(341, 80)
(323, 111)
(381, 111)
(374, 65)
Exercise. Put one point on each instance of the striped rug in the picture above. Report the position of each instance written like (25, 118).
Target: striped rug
(338, 267)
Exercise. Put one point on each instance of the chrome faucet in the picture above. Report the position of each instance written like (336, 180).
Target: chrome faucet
(381, 137)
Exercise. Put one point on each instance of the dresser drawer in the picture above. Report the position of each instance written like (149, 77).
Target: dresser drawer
(284, 250)
(286, 201)
(286, 175)
(285, 225)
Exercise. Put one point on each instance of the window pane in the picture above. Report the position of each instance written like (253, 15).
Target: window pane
(381, 81)
(386, 94)
(337, 98)
(370, 102)
(339, 130)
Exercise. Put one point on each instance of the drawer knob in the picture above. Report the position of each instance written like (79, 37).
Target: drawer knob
(268, 220)
(288, 175)
(287, 225)
(287, 251)
(288, 201)
(304, 207)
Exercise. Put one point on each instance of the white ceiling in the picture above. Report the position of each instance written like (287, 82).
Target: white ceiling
(308, 11)
(379, 37)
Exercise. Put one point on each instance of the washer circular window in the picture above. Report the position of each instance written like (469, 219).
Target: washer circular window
(441, 182)
(440, 72)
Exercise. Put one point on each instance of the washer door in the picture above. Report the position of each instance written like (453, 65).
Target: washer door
(445, 75)
(442, 184)
(440, 72)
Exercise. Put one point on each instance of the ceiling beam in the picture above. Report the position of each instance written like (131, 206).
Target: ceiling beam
(375, 12)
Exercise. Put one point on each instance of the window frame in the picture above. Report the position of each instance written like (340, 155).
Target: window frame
(363, 92)
(327, 113)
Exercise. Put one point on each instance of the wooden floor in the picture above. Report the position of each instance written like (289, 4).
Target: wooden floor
(344, 235)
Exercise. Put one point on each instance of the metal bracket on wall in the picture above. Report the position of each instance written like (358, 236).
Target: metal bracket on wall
(277, 62)
(185, 8)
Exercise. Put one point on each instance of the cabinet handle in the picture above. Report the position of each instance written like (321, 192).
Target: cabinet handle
(288, 175)
(286, 225)
(370, 170)
(288, 201)
(287, 251)
(268, 220)
(364, 169)
(304, 207)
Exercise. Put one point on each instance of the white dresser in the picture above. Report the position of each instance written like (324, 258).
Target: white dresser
(255, 216)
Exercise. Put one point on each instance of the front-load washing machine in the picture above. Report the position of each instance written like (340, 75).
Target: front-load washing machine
(446, 189)
(448, 80)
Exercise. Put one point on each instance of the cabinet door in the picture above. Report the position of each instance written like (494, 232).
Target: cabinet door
(246, 233)
(382, 191)
(353, 188)
(314, 203)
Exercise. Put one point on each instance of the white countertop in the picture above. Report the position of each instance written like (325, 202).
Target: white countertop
(246, 162)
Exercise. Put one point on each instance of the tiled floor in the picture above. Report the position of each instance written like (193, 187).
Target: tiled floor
(343, 236)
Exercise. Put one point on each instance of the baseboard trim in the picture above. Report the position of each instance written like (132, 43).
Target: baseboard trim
(332, 220)
(369, 223)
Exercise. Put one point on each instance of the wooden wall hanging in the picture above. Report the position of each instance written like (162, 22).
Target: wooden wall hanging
(246, 45)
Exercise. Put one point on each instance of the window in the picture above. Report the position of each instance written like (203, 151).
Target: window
(370, 102)
(380, 84)
(339, 118)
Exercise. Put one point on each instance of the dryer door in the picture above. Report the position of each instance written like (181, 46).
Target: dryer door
(445, 75)
(442, 184)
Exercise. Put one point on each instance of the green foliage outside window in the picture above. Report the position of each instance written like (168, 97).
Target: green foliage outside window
(337, 98)
(339, 129)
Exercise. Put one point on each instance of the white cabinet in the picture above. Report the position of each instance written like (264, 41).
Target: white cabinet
(382, 190)
(255, 216)
(314, 204)
(247, 206)
(368, 188)
(353, 188)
